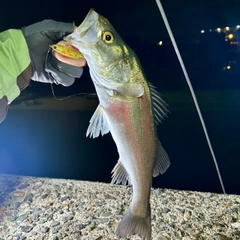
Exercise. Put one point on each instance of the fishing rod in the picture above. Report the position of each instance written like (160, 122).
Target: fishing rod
(191, 90)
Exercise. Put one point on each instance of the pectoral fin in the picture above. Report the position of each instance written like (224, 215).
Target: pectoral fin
(162, 161)
(131, 89)
(98, 123)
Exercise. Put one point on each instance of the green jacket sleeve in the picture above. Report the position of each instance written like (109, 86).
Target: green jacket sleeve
(14, 59)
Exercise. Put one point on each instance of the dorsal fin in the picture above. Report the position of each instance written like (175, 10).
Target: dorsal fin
(159, 106)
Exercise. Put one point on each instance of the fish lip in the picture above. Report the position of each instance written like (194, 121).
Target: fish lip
(87, 23)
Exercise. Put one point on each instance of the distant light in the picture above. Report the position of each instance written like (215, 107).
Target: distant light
(235, 42)
(230, 36)
(228, 67)
(202, 31)
(210, 30)
(219, 30)
(160, 43)
(227, 28)
(238, 26)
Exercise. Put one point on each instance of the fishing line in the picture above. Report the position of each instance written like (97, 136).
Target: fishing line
(191, 89)
(73, 95)
(51, 78)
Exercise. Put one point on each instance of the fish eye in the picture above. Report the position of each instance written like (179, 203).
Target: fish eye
(108, 37)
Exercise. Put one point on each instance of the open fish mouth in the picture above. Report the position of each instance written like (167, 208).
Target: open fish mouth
(86, 31)
(87, 23)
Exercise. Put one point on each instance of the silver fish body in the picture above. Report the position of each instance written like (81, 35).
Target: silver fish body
(129, 108)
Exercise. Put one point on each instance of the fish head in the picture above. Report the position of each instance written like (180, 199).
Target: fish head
(107, 55)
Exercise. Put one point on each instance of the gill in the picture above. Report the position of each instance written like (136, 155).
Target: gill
(191, 90)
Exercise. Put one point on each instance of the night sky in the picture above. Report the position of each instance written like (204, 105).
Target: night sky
(53, 143)
(139, 18)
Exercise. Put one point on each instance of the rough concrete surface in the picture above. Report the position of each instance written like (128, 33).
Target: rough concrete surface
(54, 209)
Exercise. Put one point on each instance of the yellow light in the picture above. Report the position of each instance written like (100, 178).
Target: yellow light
(160, 43)
(228, 67)
(218, 30)
(202, 31)
(230, 36)
(227, 28)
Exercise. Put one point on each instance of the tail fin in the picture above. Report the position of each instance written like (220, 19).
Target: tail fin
(131, 224)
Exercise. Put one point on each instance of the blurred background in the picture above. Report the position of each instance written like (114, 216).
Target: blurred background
(45, 137)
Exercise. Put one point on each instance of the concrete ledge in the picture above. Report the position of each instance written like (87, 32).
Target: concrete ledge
(54, 209)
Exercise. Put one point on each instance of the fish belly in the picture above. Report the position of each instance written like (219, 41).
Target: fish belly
(132, 127)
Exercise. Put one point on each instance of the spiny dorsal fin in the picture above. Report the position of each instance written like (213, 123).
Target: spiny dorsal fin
(162, 161)
(119, 174)
(159, 106)
(98, 123)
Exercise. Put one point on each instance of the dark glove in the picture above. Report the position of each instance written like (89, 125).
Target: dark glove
(46, 68)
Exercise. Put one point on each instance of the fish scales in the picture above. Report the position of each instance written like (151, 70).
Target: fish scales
(129, 108)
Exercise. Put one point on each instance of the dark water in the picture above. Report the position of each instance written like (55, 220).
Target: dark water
(53, 144)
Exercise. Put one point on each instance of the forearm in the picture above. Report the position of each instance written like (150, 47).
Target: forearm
(3, 108)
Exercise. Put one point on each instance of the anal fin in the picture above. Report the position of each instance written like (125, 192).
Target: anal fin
(98, 123)
(162, 161)
(119, 174)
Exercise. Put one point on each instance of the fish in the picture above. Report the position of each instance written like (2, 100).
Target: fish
(130, 108)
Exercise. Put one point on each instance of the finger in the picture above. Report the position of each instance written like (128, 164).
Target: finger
(72, 61)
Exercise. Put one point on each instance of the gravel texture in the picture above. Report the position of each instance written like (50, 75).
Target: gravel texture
(56, 209)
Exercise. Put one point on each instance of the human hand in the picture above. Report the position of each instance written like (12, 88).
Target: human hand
(46, 67)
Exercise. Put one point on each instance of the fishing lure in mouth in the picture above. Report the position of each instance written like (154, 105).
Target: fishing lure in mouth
(66, 51)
